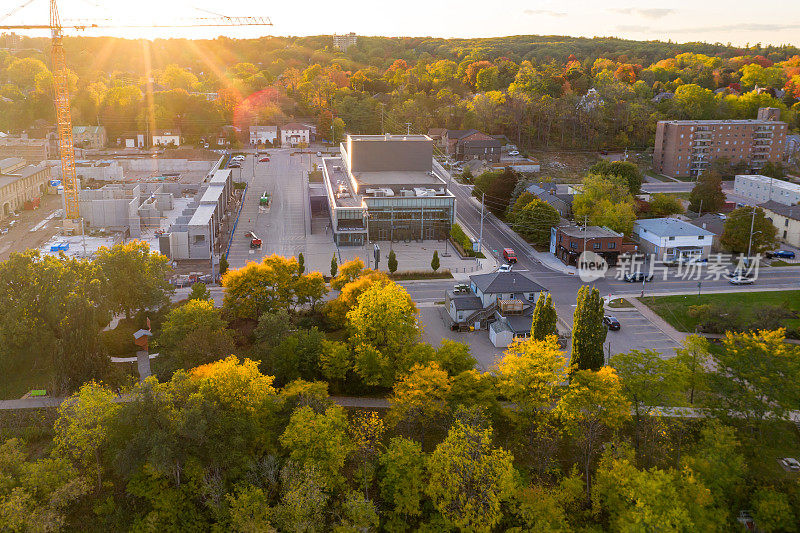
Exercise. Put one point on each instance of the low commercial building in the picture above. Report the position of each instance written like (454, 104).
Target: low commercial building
(89, 136)
(672, 239)
(762, 189)
(569, 242)
(786, 218)
(31, 150)
(293, 134)
(501, 302)
(197, 232)
(684, 148)
(263, 135)
(20, 183)
(167, 138)
(382, 187)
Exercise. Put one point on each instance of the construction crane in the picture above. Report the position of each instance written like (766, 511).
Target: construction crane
(69, 179)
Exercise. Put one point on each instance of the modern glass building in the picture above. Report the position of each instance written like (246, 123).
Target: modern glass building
(383, 187)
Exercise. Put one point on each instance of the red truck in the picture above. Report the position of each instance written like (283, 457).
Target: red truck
(509, 255)
(255, 242)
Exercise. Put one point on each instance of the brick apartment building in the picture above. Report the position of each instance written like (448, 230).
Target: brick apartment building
(568, 242)
(685, 147)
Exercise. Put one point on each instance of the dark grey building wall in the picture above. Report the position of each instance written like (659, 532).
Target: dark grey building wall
(382, 155)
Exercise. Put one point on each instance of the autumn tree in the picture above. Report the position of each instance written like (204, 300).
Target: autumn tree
(544, 319)
(707, 195)
(588, 331)
(662, 205)
(194, 334)
(402, 478)
(420, 398)
(534, 221)
(347, 272)
(592, 405)
(531, 372)
(692, 359)
(366, 431)
(737, 236)
(625, 170)
(605, 201)
(381, 326)
(468, 478)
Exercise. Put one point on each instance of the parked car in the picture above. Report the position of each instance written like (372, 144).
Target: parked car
(264, 160)
(509, 255)
(255, 242)
(638, 276)
(319, 154)
(740, 280)
(791, 464)
(782, 254)
(611, 322)
(234, 164)
(513, 153)
(504, 268)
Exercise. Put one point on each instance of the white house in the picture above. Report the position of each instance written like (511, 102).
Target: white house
(292, 134)
(763, 189)
(263, 134)
(167, 138)
(671, 239)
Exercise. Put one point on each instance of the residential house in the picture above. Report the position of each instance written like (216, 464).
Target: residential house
(548, 193)
(713, 222)
(293, 134)
(263, 135)
(483, 149)
(452, 137)
(672, 239)
(662, 96)
(792, 148)
(228, 135)
(787, 219)
(89, 136)
(437, 134)
(501, 302)
(568, 242)
(167, 138)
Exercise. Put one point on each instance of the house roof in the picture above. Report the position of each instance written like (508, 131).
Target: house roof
(263, 128)
(459, 134)
(87, 129)
(500, 282)
(671, 227)
(788, 211)
(158, 133)
(295, 126)
(710, 221)
(436, 132)
(588, 232)
(480, 143)
(465, 302)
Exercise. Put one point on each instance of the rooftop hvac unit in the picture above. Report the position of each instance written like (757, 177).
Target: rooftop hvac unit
(406, 192)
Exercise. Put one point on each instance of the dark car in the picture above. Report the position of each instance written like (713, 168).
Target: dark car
(638, 276)
(611, 322)
(782, 254)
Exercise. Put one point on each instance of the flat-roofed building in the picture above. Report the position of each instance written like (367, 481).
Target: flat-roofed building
(382, 187)
(684, 148)
(672, 239)
(20, 183)
(762, 189)
(31, 150)
(568, 242)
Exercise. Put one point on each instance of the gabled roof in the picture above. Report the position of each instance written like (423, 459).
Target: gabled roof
(670, 227)
(480, 143)
(295, 126)
(788, 211)
(503, 282)
(710, 221)
(87, 129)
(458, 134)
(466, 302)
(263, 128)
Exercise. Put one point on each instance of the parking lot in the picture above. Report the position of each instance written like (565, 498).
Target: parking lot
(637, 333)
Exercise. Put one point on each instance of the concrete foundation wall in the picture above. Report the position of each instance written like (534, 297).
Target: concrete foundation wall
(165, 165)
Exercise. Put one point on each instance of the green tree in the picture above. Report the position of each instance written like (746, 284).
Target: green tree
(534, 221)
(304, 500)
(717, 461)
(249, 511)
(588, 331)
(455, 357)
(435, 261)
(707, 195)
(605, 201)
(402, 478)
(544, 318)
(335, 360)
(194, 334)
(662, 205)
(301, 263)
(773, 512)
(736, 231)
(624, 170)
(223, 265)
(391, 262)
(199, 292)
(366, 431)
(334, 266)
(593, 404)
(81, 429)
(136, 277)
(498, 187)
(692, 359)
(319, 441)
(468, 478)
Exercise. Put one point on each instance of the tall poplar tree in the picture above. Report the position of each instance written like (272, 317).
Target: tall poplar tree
(544, 318)
(588, 331)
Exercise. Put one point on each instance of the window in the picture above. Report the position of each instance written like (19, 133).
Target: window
(701, 237)
(672, 238)
(596, 246)
(612, 245)
(573, 244)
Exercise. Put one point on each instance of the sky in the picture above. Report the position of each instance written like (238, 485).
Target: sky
(736, 21)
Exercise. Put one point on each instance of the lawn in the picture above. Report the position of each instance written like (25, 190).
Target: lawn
(674, 309)
(17, 383)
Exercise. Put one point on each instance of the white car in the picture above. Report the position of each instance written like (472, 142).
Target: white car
(791, 464)
(504, 268)
(740, 280)
(513, 153)
(319, 154)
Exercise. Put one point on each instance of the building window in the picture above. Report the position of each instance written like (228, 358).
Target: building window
(672, 238)
(612, 245)
(701, 237)
(596, 246)
(573, 244)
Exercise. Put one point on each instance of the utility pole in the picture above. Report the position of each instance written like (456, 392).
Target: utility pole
(750, 241)
(383, 130)
(585, 223)
(480, 237)
(408, 128)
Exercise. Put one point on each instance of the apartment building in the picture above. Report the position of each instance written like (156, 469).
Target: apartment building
(684, 148)
(20, 183)
(343, 42)
(763, 189)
